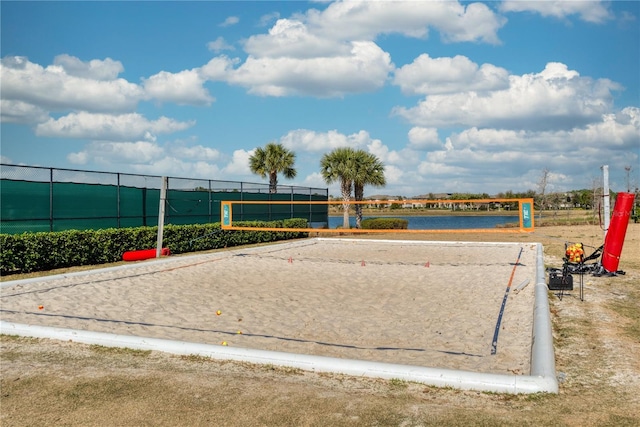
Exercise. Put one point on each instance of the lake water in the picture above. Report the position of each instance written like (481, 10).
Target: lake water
(440, 222)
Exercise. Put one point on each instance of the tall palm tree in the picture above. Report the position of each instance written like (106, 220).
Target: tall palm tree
(272, 160)
(369, 170)
(338, 166)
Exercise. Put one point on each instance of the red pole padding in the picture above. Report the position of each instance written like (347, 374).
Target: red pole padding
(617, 229)
(144, 254)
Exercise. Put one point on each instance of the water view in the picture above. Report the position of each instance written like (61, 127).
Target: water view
(440, 222)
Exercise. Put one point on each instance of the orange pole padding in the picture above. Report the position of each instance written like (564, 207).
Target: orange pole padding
(144, 254)
(614, 239)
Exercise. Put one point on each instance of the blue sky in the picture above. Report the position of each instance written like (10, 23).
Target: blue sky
(477, 97)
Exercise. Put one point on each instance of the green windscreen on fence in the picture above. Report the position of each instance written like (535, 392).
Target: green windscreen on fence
(28, 206)
(24, 206)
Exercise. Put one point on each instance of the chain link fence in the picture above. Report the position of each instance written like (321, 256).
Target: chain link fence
(36, 199)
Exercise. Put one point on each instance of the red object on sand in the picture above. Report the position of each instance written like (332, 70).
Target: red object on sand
(617, 229)
(144, 254)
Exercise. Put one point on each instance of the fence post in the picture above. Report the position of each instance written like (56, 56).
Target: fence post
(241, 199)
(118, 198)
(210, 202)
(163, 197)
(50, 199)
(310, 207)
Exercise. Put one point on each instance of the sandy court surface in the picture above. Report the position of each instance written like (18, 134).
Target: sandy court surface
(432, 304)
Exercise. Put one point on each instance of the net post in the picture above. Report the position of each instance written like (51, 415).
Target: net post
(606, 200)
(163, 198)
(526, 214)
(226, 214)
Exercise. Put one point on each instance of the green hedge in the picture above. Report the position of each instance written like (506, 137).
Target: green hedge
(384, 224)
(29, 252)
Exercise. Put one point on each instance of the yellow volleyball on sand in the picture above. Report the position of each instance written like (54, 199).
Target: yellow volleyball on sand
(218, 312)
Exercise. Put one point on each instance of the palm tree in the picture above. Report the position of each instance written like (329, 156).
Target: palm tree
(272, 160)
(369, 170)
(338, 165)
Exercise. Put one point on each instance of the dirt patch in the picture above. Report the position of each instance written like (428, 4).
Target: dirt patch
(49, 382)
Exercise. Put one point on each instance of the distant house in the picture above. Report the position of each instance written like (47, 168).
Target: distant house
(413, 205)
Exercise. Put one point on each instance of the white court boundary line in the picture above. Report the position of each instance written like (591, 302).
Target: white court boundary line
(542, 376)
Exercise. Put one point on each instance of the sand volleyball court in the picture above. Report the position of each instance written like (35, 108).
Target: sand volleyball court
(430, 304)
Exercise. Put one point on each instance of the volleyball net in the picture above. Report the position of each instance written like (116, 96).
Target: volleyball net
(519, 214)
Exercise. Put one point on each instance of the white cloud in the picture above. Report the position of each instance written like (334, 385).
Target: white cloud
(231, 20)
(364, 20)
(266, 20)
(291, 38)
(475, 23)
(472, 160)
(364, 69)
(421, 138)
(171, 166)
(494, 140)
(386, 156)
(481, 160)
(124, 127)
(556, 98)
(106, 152)
(150, 158)
(589, 10)
(613, 132)
(21, 112)
(619, 132)
(239, 164)
(506, 126)
(202, 169)
(396, 175)
(79, 158)
(198, 152)
(29, 91)
(311, 141)
(426, 75)
(54, 89)
(218, 68)
(332, 53)
(183, 88)
(431, 168)
(105, 70)
(315, 180)
(302, 141)
(219, 44)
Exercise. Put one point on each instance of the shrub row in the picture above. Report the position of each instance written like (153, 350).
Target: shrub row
(29, 252)
(385, 224)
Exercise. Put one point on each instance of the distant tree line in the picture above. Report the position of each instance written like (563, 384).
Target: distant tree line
(354, 169)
